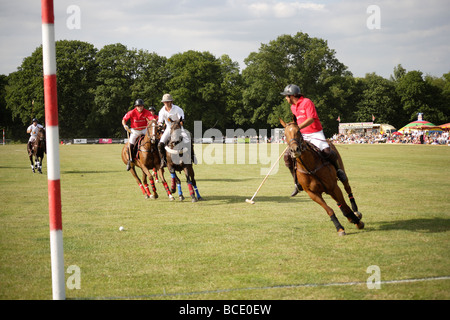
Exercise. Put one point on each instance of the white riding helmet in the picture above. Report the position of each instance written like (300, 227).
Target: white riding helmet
(167, 97)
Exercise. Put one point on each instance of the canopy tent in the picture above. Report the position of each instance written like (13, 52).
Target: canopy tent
(386, 128)
(413, 125)
(445, 126)
(427, 128)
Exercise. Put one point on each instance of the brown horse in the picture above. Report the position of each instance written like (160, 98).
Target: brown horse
(147, 158)
(36, 153)
(316, 176)
(179, 159)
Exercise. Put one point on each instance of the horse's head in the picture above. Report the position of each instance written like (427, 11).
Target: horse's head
(152, 130)
(175, 131)
(294, 138)
(41, 134)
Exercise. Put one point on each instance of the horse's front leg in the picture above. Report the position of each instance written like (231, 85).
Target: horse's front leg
(146, 173)
(40, 165)
(32, 163)
(164, 182)
(189, 179)
(176, 180)
(139, 182)
(318, 198)
(352, 217)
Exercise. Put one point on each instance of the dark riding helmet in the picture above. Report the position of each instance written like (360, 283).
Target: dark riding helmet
(139, 102)
(34, 120)
(291, 90)
(152, 109)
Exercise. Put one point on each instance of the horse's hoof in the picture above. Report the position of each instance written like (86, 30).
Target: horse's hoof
(181, 198)
(194, 199)
(341, 233)
(171, 198)
(156, 196)
(360, 225)
(358, 214)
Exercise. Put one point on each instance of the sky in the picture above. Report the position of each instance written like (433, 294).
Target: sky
(367, 36)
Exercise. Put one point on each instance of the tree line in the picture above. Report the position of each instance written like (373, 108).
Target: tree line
(97, 87)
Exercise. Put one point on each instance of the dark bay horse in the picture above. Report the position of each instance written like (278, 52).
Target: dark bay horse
(179, 159)
(36, 153)
(317, 176)
(147, 158)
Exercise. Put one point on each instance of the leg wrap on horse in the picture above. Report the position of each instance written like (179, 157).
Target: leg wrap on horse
(191, 190)
(196, 191)
(349, 215)
(147, 190)
(143, 189)
(353, 202)
(167, 188)
(336, 222)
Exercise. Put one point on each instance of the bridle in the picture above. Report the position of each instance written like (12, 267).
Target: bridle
(298, 141)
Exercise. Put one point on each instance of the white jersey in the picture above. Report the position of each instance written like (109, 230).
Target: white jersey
(176, 113)
(33, 129)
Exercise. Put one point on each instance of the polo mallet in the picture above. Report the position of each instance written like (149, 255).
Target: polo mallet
(267, 175)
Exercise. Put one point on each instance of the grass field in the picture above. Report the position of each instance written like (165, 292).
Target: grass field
(222, 247)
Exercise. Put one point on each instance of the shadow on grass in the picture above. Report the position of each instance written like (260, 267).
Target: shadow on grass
(231, 199)
(433, 225)
(87, 172)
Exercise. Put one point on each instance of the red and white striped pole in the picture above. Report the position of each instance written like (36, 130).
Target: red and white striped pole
(52, 134)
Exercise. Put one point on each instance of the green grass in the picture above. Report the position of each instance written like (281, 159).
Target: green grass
(224, 248)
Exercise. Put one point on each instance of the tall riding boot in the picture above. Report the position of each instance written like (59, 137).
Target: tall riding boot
(193, 157)
(162, 153)
(289, 162)
(331, 156)
(130, 156)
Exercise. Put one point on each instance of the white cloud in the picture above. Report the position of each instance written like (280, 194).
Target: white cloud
(412, 32)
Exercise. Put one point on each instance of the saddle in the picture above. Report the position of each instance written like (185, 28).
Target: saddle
(323, 160)
(138, 145)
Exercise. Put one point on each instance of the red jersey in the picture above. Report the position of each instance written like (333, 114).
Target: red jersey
(139, 120)
(305, 109)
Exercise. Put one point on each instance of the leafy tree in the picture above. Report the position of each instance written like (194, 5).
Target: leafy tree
(298, 59)
(196, 85)
(231, 89)
(76, 73)
(379, 99)
(113, 99)
(150, 79)
(76, 70)
(25, 90)
(419, 96)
